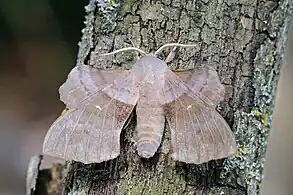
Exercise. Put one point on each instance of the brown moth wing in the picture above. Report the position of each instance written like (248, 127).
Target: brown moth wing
(84, 82)
(204, 80)
(90, 133)
(198, 132)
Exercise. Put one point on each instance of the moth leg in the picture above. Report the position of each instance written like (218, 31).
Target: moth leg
(171, 55)
(133, 45)
(63, 112)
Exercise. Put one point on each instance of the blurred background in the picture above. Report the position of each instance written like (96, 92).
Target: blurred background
(38, 47)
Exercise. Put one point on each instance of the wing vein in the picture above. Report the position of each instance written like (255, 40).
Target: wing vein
(103, 124)
(216, 124)
(86, 149)
(114, 118)
(177, 98)
(73, 130)
(208, 127)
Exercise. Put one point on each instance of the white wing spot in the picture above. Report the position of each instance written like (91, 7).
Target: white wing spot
(99, 107)
(188, 107)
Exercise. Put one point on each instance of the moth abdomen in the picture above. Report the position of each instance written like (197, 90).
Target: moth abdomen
(150, 127)
(148, 143)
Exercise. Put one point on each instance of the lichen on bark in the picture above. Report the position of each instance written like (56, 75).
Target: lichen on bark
(243, 39)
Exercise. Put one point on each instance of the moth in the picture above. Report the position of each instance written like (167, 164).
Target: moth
(99, 103)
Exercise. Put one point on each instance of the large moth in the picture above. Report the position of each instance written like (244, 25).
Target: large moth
(99, 103)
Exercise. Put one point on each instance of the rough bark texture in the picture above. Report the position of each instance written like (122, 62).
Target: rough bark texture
(243, 39)
(43, 181)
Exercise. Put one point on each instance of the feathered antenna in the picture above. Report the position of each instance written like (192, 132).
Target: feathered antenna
(144, 53)
(172, 45)
(125, 49)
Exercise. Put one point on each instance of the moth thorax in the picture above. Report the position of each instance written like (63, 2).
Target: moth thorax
(150, 127)
(150, 70)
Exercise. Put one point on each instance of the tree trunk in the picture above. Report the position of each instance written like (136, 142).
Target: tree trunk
(243, 39)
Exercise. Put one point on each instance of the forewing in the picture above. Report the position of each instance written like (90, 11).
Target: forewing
(90, 131)
(84, 82)
(198, 134)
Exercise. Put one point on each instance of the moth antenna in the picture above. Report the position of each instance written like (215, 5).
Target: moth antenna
(124, 49)
(133, 45)
(171, 55)
(172, 45)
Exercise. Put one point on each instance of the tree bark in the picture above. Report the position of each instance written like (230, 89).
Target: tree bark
(243, 39)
